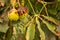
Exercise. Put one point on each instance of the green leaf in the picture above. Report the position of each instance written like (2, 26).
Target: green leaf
(29, 8)
(9, 34)
(30, 32)
(51, 27)
(58, 0)
(58, 6)
(58, 16)
(48, 33)
(33, 2)
(3, 28)
(52, 20)
(1, 20)
(2, 2)
(42, 35)
(36, 36)
(52, 11)
(25, 20)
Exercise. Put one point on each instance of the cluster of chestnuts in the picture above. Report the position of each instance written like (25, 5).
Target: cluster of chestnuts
(15, 14)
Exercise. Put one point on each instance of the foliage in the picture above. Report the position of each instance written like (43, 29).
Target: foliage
(30, 20)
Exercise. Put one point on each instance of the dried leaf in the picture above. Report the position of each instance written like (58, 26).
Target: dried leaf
(42, 35)
(30, 32)
(52, 20)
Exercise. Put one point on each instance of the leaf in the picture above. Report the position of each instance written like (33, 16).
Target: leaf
(52, 11)
(13, 2)
(52, 20)
(36, 36)
(2, 2)
(38, 7)
(51, 27)
(29, 8)
(1, 20)
(33, 2)
(48, 34)
(58, 16)
(9, 33)
(3, 28)
(58, 0)
(58, 6)
(22, 2)
(25, 20)
(42, 35)
(30, 32)
(13, 37)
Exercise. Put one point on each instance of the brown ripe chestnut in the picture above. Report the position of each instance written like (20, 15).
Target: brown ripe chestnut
(22, 10)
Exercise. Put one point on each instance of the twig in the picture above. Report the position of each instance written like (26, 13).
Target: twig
(47, 2)
(39, 18)
(42, 8)
(31, 6)
(6, 8)
(19, 3)
(30, 21)
(46, 11)
(28, 24)
(22, 2)
(5, 11)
